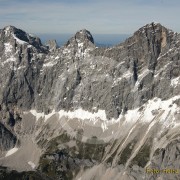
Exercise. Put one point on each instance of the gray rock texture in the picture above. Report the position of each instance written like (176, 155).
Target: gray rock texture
(80, 75)
(115, 79)
(7, 139)
(52, 44)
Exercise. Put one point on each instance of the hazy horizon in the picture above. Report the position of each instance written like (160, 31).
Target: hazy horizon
(99, 39)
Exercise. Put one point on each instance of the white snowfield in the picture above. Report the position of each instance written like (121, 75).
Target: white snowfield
(18, 40)
(11, 151)
(82, 114)
(131, 117)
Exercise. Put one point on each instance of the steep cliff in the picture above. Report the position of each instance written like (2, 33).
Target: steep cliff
(88, 112)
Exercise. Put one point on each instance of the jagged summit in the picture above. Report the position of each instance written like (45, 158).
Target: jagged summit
(83, 35)
(9, 28)
(81, 43)
(153, 24)
(151, 42)
(20, 36)
(52, 44)
(154, 28)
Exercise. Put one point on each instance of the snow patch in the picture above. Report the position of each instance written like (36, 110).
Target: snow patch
(32, 164)
(141, 76)
(49, 64)
(8, 48)
(7, 30)
(66, 51)
(57, 57)
(157, 104)
(126, 75)
(104, 126)
(11, 59)
(11, 151)
(132, 115)
(175, 81)
(82, 114)
(36, 114)
(21, 67)
(42, 115)
(18, 40)
(49, 115)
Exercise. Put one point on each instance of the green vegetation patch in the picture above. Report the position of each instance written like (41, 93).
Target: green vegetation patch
(93, 149)
(14, 175)
(126, 153)
(142, 157)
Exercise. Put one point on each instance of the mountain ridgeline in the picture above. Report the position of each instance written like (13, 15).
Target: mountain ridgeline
(84, 112)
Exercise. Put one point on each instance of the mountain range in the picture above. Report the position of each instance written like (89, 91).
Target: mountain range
(84, 112)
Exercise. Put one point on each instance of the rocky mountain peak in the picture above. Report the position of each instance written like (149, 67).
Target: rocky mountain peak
(156, 33)
(10, 33)
(9, 29)
(150, 42)
(52, 44)
(151, 27)
(80, 44)
(82, 38)
(84, 35)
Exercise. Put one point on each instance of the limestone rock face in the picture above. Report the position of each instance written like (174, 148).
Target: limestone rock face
(126, 97)
(7, 139)
(52, 44)
(166, 160)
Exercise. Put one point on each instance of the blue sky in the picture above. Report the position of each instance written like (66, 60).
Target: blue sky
(98, 16)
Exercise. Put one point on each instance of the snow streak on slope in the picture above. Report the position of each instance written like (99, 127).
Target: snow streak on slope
(11, 151)
(42, 115)
(18, 40)
(32, 164)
